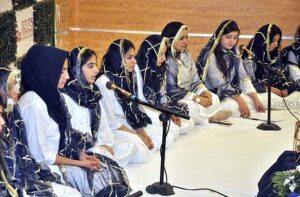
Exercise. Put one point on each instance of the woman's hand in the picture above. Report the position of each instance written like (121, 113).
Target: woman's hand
(89, 162)
(259, 106)
(108, 148)
(257, 103)
(281, 93)
(207, 94)
(284, 93)
(243, 107)
(205, 102)
(146, 139)
(176, 120)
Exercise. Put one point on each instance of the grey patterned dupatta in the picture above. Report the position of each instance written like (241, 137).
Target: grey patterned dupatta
(154, 76)
(22, 169)
(181, 71)
(290, 55)
(259, 46)
(230, 62)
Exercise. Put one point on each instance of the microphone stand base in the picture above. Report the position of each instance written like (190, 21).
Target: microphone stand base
(268, 127)
(165, 189)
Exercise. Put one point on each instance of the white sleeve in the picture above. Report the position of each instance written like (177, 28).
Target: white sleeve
(189, 95)
(108, 97)
(294, 72)
(140, 83)
(200, 90)
(245, 83)
(37, 127)
(247, 86)
(105, 135)
(71, 109)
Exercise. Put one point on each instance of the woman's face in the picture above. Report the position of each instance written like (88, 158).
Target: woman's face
(90, 69)
(228, 41)
(2, 122)
(14, 91)
(64, 75)
(181, 44)
(130, 60)
(161, 56)
(275, 42)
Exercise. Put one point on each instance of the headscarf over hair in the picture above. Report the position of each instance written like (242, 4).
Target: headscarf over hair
(9, 76)
(259, 46)
(295, 49)
(290, 55)
(261, 42)
(181, 66)
(115, 69)
(154, 74)
(41, 71)
(21, 167)
(3, 79)
(14, 79)
(79, 89)
(214, 47)
(172, 31)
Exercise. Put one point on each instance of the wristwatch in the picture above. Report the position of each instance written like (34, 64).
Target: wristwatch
(198, 99)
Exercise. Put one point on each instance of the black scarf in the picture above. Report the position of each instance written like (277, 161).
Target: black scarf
(153, 75)
(84, 94)
(115, 69)
(41, 71)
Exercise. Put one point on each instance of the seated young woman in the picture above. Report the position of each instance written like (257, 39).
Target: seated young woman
(32, 177)
(222, 71)
(8, 187)
(265, 52)
(290, 58)
(83, 97)
(51, 138)
(183, 82)
(119, 66)
(151, 59)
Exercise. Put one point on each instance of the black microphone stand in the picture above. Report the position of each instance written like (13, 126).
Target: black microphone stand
(268, 125)
(161, 187)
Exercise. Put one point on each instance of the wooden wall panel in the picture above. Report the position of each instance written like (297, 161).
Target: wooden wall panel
(202, 16)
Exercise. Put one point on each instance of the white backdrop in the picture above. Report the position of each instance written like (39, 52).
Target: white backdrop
(5, 5)
(24, 30)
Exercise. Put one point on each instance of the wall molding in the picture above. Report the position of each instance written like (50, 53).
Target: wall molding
(149, 32)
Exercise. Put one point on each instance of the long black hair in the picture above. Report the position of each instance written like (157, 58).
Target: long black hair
(232, 26)
(259, 43)
(3, 81)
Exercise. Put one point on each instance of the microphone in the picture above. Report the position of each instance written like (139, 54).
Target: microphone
(244, 48)
(252, 56)
(131, 97)
(112, 86)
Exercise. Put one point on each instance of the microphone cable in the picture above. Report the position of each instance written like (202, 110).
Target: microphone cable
(287, 107)
(183, 188)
